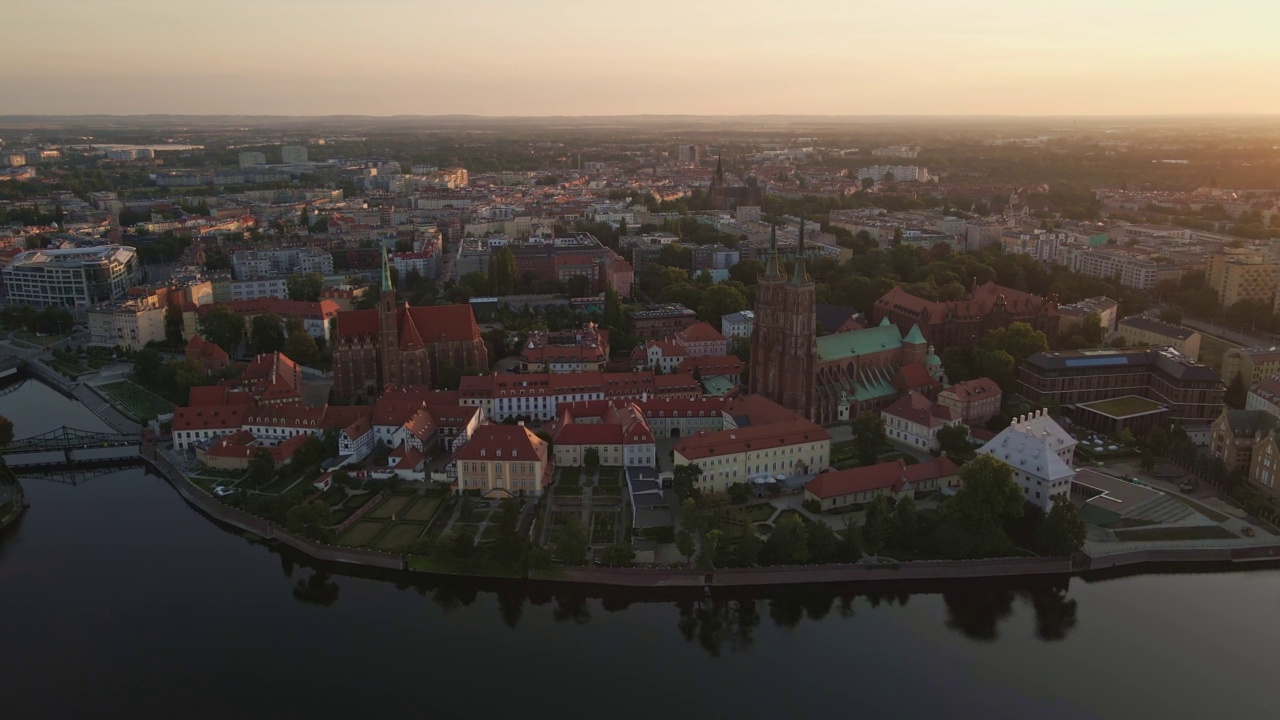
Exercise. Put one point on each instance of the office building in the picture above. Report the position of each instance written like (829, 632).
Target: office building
(75, 277)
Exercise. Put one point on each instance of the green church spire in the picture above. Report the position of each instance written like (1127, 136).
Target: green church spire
(800, 276)
(386, 272)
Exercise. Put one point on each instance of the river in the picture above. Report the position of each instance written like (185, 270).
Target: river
(117, 599)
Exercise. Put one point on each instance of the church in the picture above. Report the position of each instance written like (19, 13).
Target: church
(722, 196)
(835, 377)
(396, 345)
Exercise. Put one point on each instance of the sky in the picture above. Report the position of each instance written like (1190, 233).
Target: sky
(603, 57)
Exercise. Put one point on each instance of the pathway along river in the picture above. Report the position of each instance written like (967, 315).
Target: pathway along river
(119, 600)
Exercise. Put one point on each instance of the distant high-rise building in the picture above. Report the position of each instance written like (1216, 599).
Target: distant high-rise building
(293, 154)
(689, 153)
(249, 159)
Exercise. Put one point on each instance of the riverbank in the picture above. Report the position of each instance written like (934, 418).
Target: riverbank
(13, 501)
(1138, 561)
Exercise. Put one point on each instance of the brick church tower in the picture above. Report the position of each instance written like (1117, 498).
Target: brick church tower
(784, 339)
(388, 329)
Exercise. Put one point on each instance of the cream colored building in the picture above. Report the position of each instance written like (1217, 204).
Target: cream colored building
(1254, 364)
(128, 325)
(1237, 276)
(791, 448)
(1140, 330)
(503, 461)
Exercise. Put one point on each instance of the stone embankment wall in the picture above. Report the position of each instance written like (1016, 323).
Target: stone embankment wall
(739, 577)
(221, 512)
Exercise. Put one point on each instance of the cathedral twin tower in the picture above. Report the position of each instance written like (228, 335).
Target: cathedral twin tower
(784, 349)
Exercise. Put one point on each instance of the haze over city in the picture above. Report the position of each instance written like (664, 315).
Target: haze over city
(570, 57)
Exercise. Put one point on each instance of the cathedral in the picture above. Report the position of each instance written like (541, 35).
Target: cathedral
(835, 377)
(722, 196)
(396, 345)
(784, 337)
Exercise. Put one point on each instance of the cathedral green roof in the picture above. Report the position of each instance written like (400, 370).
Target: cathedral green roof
(915, 337)
(859, 342)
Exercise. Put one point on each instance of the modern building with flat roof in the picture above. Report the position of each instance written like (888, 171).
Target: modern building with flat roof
(75, 277)
(1193, 392)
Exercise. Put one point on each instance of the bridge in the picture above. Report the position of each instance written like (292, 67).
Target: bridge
(67, 439)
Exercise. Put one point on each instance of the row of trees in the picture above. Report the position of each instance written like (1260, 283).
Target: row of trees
(51, 320)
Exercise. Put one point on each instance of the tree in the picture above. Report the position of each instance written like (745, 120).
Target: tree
(876, 528)
(1063, 531)
(675, 255)
(1171, 314)
(822, 542)
(223, 327)
(570, 541)
(6, 431)
(848, 551)
(905, 527)
(739, 493)
(721, 300)
(305, 286)
(147, 363)
(954, 440)
(300, 346)
(869, 437)
(614, 316)
(508, 546)
(972, 522)
(1018, 339)
(710, 543)
(173, 323)
(1237, 393)
(475, 284)
(1157, 439)
(1148, 461)
(787, 544)
(685, 482)
(591, 460)
(261, 469)
(746, 271)
(579, 286)
(266, 334)
(503, 272)
(685, 544)
(619, 555)
(448, 375)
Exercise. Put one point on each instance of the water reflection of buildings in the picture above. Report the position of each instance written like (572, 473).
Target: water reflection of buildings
(724, 620)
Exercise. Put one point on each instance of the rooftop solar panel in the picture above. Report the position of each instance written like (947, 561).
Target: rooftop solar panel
(1096, 362)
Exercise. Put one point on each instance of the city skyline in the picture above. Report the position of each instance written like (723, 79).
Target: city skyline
(566, 57)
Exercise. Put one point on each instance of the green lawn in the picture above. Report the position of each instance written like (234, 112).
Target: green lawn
(423, 509)
(394, 505)
(355, 502)
(399, 536)
(790, 513)
(361, 534)
(760, 513)
(280, 485)
(136, 401)
(602, 527)
(34, 339)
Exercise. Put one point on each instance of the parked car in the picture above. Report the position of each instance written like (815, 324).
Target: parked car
(221, 491)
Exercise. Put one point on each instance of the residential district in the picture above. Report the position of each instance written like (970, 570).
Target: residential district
(724, 349)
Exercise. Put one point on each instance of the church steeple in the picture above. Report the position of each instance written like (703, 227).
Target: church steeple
(771, 262)
(800, 276)
(719, 178)
(386, 272)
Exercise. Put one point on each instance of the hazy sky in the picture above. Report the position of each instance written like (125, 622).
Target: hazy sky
(574, 57)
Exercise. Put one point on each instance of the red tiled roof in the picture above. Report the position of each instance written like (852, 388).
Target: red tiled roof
(712, 365)
(978, 389)
(504, 442)
(844, 482)
(220, 417)
(921, 410)
(699, 332)
(762, 437)
(913, 377)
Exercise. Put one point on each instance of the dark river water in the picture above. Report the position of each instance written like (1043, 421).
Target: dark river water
(118, 600)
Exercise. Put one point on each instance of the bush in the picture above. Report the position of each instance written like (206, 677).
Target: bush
(812, 506)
